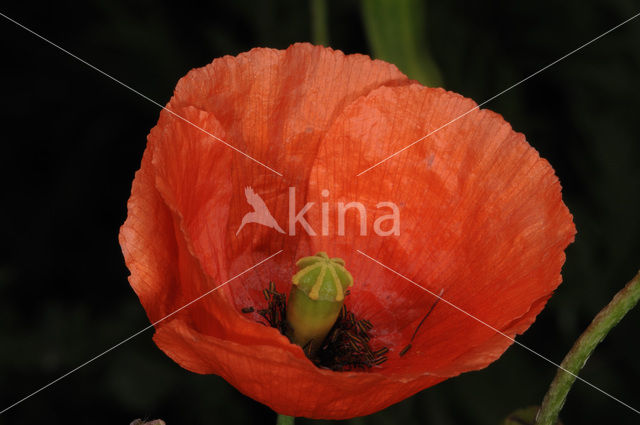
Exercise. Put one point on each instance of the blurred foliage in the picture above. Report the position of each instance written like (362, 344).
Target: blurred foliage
(526, 416)
(72, 140)
(396, 30)
(319, 23)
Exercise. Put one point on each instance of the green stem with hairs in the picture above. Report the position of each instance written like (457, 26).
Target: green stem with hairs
(608, 317)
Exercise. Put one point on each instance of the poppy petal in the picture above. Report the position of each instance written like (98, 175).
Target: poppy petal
(481, 216)
(264, 103)
(285, 382)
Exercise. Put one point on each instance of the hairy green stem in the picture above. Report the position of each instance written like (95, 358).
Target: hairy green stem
(285, 420)
(319, 23)
(608, 317)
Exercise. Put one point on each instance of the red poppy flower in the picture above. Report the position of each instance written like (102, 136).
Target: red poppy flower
(481, 218)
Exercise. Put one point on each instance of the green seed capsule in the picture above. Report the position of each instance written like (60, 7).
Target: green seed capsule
(316, 298)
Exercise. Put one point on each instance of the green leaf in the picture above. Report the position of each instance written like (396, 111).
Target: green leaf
(319, 23)
(396, 30)
(285, 420)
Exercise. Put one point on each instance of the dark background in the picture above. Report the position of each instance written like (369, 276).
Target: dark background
(71, 140)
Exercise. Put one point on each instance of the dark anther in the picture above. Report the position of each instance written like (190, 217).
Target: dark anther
(346, 347)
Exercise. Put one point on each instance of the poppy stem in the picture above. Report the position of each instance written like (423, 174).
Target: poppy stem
(285, 420)
(604, 321)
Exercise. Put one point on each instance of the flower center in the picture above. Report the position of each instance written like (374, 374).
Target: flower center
(315, 300)
(315, 317)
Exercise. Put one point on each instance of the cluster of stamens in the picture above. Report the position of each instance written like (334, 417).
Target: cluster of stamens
(346, 347)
